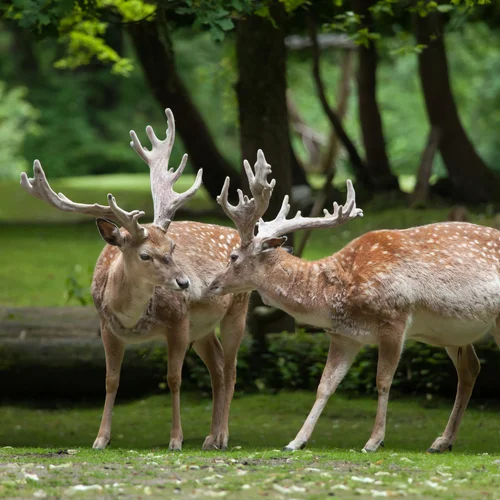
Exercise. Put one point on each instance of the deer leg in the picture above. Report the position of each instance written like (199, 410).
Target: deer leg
(113, 350)
(390, 348)
(178, 341)
(232, 330)
(210, 351)
(341, 354)
(468, 367)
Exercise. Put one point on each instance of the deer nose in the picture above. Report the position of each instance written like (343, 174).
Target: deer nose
(182, 282)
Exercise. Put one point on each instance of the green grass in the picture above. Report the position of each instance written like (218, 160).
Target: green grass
(261, 424)
(131, 191)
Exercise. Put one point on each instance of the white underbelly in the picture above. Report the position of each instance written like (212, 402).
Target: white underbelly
(314, 319)
(442, 331)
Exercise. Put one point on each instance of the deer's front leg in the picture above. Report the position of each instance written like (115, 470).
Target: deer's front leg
(390, 347)
(210, 351)
(114, 350)
(178, 340)
(341, 354)
(232, 329)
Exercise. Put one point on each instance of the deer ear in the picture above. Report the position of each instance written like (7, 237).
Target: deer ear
(271, 243)
(110, 232)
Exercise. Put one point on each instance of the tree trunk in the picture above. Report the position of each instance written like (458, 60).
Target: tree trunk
(344, 90)
(23, 45)
(157, 60)
(420, 194)
(261, 90)
(376, 160)
(473, 182)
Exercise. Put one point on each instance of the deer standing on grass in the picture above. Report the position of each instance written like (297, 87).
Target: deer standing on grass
(438, 284)
(143, 290)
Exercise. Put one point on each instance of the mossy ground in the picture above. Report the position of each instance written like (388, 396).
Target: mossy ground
(51, 453)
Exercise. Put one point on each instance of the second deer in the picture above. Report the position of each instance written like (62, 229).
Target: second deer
(143, 289)
(438, 284)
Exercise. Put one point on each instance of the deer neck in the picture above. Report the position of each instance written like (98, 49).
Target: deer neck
(300, 287)
(127, 295)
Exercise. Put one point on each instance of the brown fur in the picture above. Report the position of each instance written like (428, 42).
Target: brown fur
(438, 284)
(201, 251)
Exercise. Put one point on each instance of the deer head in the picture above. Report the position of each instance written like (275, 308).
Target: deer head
(147, 251)
(260, 250)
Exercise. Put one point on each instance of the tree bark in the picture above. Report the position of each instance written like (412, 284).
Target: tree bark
(23, 45)
(421, 192)
(376, 159)
(473, 182)
(157, 60)
(344, 90)
(261, 91)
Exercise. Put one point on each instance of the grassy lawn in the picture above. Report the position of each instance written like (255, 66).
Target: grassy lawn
(131, 191)
(138, 463)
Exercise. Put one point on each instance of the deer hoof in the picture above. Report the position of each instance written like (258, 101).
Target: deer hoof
(101, 443)
(175, 444)
(218, 442)
(372, 448)
(291, 447)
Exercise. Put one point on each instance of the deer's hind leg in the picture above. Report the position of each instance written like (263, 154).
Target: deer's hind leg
(114, 350)
(468, 367)
(178, 341)
(389, 351)
(210, 351)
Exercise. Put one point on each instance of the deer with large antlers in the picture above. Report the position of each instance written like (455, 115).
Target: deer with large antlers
(143, 290)
(438, 284)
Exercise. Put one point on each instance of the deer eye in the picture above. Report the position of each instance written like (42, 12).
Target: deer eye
(166, 259)
(144, 256)
(234, 257)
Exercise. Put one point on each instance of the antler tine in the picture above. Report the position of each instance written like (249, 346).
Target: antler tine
(165, 200)
(340, 215)
(168, 201)
(249, 210)
(39, 187)
(129, 220)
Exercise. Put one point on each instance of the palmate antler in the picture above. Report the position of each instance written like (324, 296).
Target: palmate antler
(40, 188)
(249, 210)
(281, 225)
(165, 200)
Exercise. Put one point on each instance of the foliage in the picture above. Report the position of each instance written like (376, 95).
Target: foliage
(296, 361)
(77, 286)
(17, 122)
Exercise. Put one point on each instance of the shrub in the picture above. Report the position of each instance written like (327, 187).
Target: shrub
(296, 361)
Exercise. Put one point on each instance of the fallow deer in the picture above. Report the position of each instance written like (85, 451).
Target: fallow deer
(438, 284)
(135, 278)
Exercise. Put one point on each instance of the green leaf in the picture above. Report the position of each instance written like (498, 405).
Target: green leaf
(445, 7)
(225, 24)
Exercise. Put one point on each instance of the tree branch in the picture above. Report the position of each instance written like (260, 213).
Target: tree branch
(356, 161)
